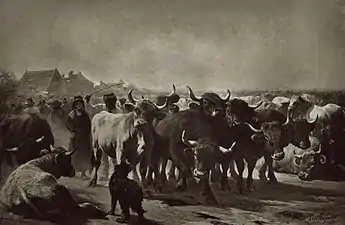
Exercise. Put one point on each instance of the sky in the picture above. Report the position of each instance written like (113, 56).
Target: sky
(209, 45)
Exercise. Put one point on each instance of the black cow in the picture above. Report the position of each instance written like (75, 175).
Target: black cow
(171, 98)
(289, 131)
(200, 122)
(24, 131)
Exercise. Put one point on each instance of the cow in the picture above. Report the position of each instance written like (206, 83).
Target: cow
(282, 104)
(22, 131)
(171, 98)
(204, 155)
(205, 120)
(300, 106)
(290, 131)
(33, 189)
(124, 136)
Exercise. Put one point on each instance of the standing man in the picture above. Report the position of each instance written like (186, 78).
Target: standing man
(79, 124)
(30, 107)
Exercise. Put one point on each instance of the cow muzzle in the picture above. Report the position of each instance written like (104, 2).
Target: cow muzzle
(139, 123)
(278, 156)
(304, 176)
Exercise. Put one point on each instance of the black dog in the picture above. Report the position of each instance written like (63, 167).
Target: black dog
(127, 192)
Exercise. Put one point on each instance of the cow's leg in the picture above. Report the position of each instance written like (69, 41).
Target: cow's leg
(224, 184)
(207, 190)
(240, 168)
(163, 171)
(112, 204)
(104, 169)
(215, 173)
(143, 171)
(171, 173)
(262, 170)
(251, 164)
(271, 175)
(97, 164)
(233, 173)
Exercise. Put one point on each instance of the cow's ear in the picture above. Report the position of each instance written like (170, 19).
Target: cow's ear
(129, 107)
(193, 105)
(258, 138)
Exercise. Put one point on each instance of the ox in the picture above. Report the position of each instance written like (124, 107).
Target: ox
(24, 129)
(282, 104)
(171, 98)
(289, 131)
(203, 121)
(124, 136)
(33, 187)
(299, 106)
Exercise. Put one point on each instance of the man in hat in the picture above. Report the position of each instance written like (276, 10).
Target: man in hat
(79, 124)
(30, 107)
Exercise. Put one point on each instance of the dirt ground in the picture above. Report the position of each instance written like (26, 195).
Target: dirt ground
(292, 201)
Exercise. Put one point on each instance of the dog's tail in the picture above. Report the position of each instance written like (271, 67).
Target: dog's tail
(30, 204)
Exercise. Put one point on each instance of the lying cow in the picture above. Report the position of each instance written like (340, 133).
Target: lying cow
(124, 136)
(33, 188)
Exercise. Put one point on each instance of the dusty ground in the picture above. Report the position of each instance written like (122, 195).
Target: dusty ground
(290, 202)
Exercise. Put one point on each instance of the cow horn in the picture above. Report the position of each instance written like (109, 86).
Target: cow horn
(71, 152)
(39, 139)
(12, 149)
(257, 105)
(225, 150)
(313, 122)
(192, 96)
(252, 128)
(173, 91)
(131, 98)
(227, 97)
(187, 142)
(323, 159)
(287, 119)
(319, 150)
(162, 106)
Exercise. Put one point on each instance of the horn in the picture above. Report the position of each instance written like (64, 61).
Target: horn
(163, 106)
(252, 128)
(257, 105)
(131, 98)
(287, 119)
(187, 142)
(319, 150)
(71, 152)
(294, 160)
(313, 122)
(39, 139)
(51, 148)
(323, 159)
(227, 97)
(12, 149)
(173, 91)
(225, 150)
(192, 96)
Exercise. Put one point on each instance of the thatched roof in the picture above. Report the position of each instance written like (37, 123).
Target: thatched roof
(38, 80)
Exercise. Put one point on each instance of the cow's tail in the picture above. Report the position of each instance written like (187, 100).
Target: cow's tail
(29, 203)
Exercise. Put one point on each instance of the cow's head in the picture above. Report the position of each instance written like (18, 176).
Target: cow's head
(204, 152)
(300, 129)
(240, 111)
(299, 106)
(110, 101)
(210, 103)
(63, 162)
(272, 142)
(308, 163)
(28, 150)
(143, 109)
(171, 99)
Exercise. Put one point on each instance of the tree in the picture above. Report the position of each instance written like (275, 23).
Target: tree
(8, 85)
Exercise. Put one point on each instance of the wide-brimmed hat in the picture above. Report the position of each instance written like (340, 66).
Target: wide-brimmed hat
(78, 99)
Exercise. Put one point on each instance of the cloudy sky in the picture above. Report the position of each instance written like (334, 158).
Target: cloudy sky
(207, 44)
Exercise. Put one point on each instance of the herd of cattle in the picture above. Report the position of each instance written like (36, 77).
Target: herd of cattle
(204, 140)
